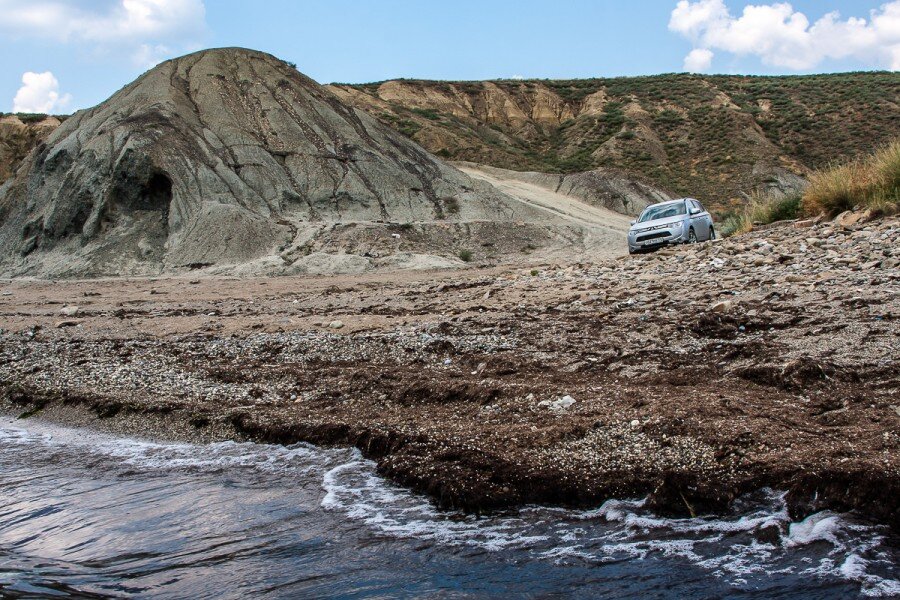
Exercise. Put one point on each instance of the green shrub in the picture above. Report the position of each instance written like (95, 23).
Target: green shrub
(465, 255)
(761, 210)
(408, 128)
(31, 117)
(451, 205)
(733, 223)
(776, 208)
(428, 113)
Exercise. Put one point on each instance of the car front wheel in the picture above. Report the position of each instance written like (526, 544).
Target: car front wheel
(692, 237)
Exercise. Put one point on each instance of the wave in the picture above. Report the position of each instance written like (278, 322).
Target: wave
(757, 541)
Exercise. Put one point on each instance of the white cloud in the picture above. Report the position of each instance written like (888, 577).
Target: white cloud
(698, 60)
(783, 37)
(142, 27)
(39, 94)
(148, 55)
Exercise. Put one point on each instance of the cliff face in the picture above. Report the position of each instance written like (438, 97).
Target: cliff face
(18, 135)
(223, 157)
(720, 138)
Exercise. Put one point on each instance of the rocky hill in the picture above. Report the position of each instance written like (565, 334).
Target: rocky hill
(719, 138)
(232, 161)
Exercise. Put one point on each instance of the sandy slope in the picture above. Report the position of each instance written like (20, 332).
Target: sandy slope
(560, 204)
(605, 229)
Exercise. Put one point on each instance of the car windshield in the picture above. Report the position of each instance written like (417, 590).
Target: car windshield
(663, 211)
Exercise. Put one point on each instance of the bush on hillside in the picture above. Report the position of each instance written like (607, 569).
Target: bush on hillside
(778, 208)
(28, 118)
(761, 210)
(872, 182)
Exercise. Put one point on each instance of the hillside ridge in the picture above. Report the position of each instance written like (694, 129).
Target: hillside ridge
(718, 137)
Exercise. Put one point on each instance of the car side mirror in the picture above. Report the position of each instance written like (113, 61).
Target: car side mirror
(633, 222)
(695, 211)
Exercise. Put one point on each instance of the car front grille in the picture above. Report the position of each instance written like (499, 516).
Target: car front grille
(652, 236)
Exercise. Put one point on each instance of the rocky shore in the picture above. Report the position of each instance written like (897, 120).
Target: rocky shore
(693, 375)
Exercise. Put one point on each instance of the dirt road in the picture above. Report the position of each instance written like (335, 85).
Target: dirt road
(606, 229)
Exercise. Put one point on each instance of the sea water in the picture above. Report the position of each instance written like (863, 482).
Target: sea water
(90, 515)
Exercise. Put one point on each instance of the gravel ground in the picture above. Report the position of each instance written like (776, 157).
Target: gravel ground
(694, 375)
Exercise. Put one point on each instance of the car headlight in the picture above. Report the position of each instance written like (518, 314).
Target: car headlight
(676, 226)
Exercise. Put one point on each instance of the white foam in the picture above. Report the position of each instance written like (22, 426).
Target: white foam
(156, 456)
(820, 527)
(355, 490)
(620, 530)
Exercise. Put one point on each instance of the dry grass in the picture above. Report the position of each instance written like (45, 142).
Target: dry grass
(778, 208)
(872, 182)
(761, 210)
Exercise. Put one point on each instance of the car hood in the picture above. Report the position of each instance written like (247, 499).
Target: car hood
(657, 222)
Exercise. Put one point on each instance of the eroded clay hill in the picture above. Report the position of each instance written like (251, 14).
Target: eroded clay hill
(719, 138)
(230, 160)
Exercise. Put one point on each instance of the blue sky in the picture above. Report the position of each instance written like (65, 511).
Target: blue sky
(79, 52)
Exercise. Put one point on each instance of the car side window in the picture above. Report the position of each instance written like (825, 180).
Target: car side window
(699, 206)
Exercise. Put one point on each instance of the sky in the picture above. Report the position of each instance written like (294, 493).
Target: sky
(63, 55)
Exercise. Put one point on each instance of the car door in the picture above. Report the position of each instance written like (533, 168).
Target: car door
(697, 222)
(706, 220)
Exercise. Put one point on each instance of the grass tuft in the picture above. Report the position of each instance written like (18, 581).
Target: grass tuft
(777, 208)
(872, 182)
(761, 210)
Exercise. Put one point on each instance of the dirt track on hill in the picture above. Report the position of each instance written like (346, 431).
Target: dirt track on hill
(613, 223)
(693, 375)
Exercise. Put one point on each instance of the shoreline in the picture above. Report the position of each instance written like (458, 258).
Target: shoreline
(170, 428)
(564, 386)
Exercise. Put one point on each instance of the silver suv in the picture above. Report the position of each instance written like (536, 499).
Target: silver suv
(682, 221)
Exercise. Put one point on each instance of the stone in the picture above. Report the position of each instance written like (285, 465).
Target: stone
(561, 404)
(566, 401)
(723, 306)
(852, 218)
(336, 325)
(804, 223)
(69, 311)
